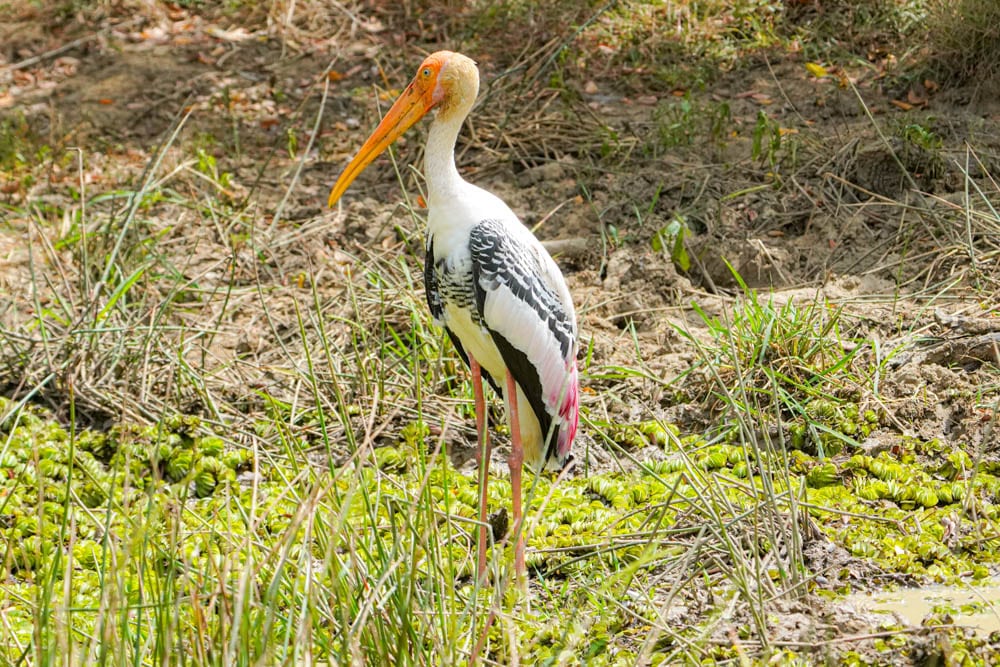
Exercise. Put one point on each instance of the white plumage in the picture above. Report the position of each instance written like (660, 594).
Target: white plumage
(489, 282)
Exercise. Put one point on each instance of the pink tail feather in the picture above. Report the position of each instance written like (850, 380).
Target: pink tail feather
(569, 413)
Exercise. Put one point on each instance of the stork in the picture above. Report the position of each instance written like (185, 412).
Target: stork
(492, 286)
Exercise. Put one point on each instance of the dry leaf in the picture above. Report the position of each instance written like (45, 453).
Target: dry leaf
(816, 70)
(235, 35)
(900, 104)
(155, 33)
(915, 99)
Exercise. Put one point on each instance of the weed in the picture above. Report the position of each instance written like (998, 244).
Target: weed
(874, 28)
(965, 41)
(655, 42)
(920, 136)
(766, 140)
(207, 166)
(21, 149)
(788, 363)
(773, 147)
(684, 122)
(670, 240)
(920, 151)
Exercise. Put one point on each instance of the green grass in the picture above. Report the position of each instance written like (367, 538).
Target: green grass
(129, 545)
(792, 362)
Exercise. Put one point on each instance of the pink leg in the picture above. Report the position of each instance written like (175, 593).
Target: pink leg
(515, 462)
(483, 459)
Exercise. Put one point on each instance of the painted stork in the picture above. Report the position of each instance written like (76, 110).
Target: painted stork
(491, 285)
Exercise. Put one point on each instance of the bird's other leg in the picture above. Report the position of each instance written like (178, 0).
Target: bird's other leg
(483, 461)
(515, 462)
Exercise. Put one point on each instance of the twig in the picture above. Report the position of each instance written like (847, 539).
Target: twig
(69, 46)
(34, 60)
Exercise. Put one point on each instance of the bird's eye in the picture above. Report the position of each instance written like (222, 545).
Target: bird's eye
(427, 72)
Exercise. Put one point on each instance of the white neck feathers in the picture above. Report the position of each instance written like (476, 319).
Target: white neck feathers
(439, 157)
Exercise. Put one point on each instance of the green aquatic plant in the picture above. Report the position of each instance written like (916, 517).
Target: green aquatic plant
(176, 508)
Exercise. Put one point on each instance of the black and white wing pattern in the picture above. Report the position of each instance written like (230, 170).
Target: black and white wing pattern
(522, 300)
(456, 288)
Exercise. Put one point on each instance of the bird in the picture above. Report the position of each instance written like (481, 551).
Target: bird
(491, 285)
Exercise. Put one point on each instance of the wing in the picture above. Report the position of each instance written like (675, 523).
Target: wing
(432, 288)
(524, 303)
(435, 302)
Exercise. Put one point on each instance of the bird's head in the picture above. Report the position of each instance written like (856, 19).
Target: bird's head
(447, 82)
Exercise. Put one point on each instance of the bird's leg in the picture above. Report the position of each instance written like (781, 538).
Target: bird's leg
(483, 460)
(515, 462)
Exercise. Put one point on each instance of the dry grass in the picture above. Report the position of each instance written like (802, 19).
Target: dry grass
(965, 43)
(111, 327)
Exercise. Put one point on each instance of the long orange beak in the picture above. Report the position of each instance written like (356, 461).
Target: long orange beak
(410, 107)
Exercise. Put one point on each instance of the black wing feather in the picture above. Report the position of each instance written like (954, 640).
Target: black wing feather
(497, 259)
(432, 289)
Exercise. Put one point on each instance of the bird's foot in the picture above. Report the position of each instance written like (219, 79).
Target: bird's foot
(499, 524)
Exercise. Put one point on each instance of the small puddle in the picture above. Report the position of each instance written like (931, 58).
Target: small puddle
(976, 607)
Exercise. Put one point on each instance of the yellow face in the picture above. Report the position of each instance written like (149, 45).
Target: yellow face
(446, 81)
(457, 81)
(426, 88)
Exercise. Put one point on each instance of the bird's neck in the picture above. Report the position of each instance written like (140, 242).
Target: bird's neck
(439, 158)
